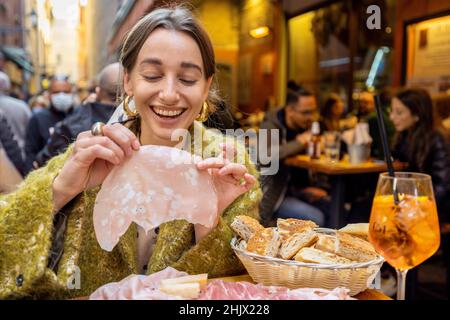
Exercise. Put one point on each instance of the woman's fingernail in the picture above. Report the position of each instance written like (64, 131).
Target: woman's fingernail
(136, 144)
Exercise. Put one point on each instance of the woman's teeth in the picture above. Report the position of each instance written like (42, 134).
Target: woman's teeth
(167, 113)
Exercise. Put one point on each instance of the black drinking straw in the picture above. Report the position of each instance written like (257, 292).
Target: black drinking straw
(384, 141)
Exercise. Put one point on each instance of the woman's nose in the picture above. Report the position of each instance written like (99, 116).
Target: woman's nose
(169, 92)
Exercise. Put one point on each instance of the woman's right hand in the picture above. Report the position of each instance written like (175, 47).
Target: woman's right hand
(92, 158)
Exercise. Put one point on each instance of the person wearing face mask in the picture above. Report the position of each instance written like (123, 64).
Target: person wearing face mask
(41, 124)
(100, 109)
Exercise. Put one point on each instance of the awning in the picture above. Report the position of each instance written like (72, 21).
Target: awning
(18, 56)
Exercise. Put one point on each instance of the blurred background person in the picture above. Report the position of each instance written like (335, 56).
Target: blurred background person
(366, 105)
(366, 113)
(42, 124)
(83, 117)
(15, 111)
(421, 142)
(37, 103)
(331, 112)
(10, 176)
(288, 193)
(10, 145)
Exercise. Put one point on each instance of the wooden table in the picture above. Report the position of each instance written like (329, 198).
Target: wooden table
(337, 172)
(369, 294)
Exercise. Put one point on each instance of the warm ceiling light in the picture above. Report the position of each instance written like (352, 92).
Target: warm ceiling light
(260, 32)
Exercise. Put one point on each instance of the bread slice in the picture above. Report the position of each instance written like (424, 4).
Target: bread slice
(288, 227)
(312, 255)
(347, 246)
(360, 230)
(265, 242)
(245, 226)
(297, 241)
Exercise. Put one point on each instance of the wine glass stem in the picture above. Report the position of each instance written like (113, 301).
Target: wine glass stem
(401, 284)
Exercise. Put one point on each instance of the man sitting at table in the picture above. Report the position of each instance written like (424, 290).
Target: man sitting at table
(288, 193)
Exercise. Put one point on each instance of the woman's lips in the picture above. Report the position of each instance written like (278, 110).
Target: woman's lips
(166, 116)
(167, 113)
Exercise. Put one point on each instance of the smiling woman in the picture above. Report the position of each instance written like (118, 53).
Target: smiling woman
(46, 226)
(168, 84)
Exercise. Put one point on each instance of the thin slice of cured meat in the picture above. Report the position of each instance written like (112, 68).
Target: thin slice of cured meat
(156, 184)
(138, 287)
(222, 290)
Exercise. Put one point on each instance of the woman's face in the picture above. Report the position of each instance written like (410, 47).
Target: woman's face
(338, 109)
(401, 116)
(168, 85)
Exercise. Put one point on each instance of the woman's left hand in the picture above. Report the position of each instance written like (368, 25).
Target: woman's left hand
(230, 179)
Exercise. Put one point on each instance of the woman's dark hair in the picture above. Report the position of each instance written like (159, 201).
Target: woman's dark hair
(176, 18)
(327, 108)
(418, 137)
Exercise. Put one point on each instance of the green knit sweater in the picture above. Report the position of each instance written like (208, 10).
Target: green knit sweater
(27, 233)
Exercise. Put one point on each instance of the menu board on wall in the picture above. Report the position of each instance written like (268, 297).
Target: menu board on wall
(428, 54)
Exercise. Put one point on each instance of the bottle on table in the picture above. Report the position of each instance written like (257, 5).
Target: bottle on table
(314, 145)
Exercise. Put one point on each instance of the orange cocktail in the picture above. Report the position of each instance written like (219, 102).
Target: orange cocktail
(405, 234)
(404, 224)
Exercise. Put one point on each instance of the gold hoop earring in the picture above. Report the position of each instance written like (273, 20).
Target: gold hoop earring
(203, 115)
(126, 108)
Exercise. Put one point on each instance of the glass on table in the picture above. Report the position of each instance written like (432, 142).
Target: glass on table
(332, 145)
(405, 231)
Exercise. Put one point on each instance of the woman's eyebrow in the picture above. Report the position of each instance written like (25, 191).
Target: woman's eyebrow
(184, 65)
(151, 61)
(190, 65)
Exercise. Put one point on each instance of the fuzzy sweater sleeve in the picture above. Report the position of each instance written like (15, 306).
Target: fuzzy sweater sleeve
(26, 225)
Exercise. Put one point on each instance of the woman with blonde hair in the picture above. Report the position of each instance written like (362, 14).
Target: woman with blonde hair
(46, 227)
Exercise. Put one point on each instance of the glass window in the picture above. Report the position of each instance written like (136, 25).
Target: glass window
(324, 42)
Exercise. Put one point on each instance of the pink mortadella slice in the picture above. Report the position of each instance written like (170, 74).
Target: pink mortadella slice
(156, 184)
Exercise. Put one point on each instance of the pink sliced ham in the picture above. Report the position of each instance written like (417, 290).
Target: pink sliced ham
(221, 290)
(156, 184)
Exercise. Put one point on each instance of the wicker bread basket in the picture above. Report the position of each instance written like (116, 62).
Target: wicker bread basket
(293, 274)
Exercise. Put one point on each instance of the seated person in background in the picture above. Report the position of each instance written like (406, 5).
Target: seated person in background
(83, 117)
(366, 113)
(421, 142)
(331, 112)
(286, 194)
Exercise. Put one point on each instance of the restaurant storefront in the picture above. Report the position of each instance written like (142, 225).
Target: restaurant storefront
(333, 49)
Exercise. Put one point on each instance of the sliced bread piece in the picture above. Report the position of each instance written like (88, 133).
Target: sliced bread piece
(265, 242)
(360, 230)
(297, 241)
(312, 255)
(347, 246)
(245, 226)
(288, 227)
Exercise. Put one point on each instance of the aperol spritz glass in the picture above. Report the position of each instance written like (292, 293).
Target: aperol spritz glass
(404, 223)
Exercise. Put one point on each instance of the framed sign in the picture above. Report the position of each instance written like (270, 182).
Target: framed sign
(427, 54)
